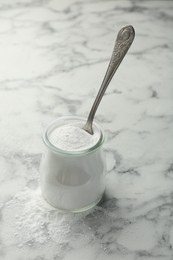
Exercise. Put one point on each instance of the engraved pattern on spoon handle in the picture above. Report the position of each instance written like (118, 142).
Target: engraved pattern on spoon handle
(123, 42)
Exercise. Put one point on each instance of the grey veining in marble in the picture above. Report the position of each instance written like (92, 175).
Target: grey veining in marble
(53, 55)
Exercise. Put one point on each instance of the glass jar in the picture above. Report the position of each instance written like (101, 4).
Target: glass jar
(72, 181)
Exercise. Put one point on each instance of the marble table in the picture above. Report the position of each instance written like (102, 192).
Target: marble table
(53, 55)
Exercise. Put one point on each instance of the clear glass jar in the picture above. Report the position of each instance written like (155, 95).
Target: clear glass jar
(72, 181)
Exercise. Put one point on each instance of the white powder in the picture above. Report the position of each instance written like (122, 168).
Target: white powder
(73, 138)
(33, 226)
(33, 222)
(72, 182)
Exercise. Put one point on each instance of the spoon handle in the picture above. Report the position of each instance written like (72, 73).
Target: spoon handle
(123, 42)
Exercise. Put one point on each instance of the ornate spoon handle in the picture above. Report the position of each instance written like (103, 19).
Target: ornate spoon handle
(124, 39)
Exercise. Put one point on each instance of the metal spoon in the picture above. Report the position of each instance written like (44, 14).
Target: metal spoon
(124, 39)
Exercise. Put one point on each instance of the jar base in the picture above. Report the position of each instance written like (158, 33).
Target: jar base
(77, 210)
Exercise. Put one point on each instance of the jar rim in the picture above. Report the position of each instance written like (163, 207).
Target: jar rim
(55, 149)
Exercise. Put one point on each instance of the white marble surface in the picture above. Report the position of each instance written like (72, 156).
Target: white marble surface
(53, 55)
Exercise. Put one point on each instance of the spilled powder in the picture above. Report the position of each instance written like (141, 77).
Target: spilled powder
(28, 221)
(34, 222)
